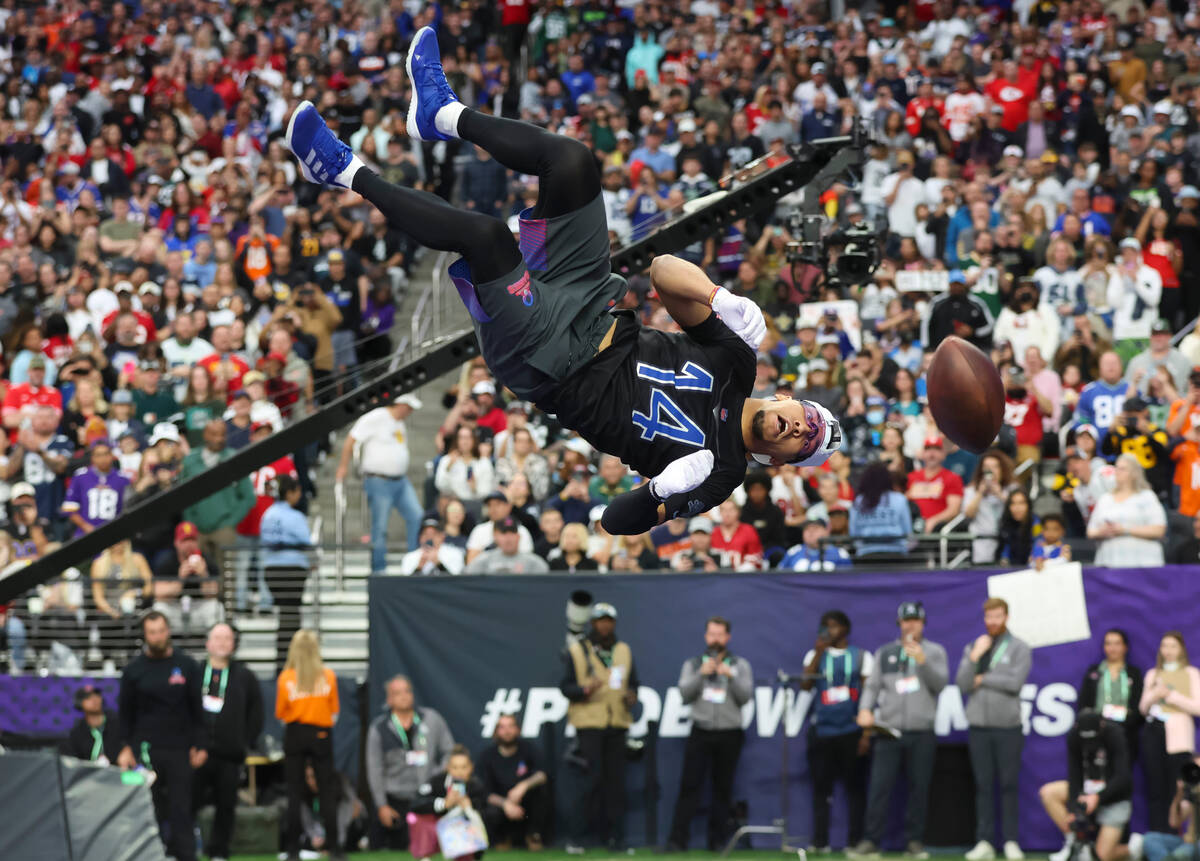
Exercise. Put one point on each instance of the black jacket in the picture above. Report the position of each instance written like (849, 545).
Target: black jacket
(1108, 760)
(1133, 716)
(80, 742)
(430, 794)
(235, 729)
(160, 703)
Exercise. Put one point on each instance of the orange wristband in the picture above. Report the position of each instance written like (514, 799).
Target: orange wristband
(712, 295)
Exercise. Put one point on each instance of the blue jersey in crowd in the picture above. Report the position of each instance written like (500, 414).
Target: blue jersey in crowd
(1100, 403)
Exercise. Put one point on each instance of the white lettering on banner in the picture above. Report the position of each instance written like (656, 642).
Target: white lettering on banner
(1048, 712)
(544, 705)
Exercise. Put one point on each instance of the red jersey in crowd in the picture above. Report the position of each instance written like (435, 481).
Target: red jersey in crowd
(1156, 256)
(742, 545)
(232, 366)
(514, 12)
(1013, 98)
(1025, 417)
(916, 109)
(932, 494)
(494, 420)
(263, 479)
(147, 331)
(25, 394)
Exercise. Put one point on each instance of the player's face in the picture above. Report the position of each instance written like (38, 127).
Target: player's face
(788, 430)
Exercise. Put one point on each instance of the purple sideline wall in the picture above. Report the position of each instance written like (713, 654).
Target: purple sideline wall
(479, 646)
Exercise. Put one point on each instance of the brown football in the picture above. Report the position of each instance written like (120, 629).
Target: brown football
(965, 394)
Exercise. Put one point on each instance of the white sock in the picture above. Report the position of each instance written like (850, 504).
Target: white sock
(346, 177)
(446, 119)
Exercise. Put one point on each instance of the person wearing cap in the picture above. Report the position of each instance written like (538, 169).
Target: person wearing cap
(715, 684)
(937, 491)
(97, 492)
(1100, 781)
(698, 555)
(434, 556)
(151, 402)
(94, 737)
(1160, 353)
(812, 553)
(899, 702)
(22, 400)
(162, 727)
(803, 351)
(217, 515)
(1132, 433)
(959, 312)
(835, 672)
(186, 583)
(233, 715)
(600, 682)
(991, 673)
(384, 457)
(497, 507)
(491, 415)
(262, 409)
(286, 559)
(507, 557)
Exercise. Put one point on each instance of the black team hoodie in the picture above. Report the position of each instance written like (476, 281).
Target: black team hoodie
(159, 703)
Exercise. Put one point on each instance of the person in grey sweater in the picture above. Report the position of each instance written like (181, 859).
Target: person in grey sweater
(910, 673)
(405, 746)
(716, 685)
(991, 673)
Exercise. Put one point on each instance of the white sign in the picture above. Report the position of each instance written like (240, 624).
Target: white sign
(847, 311)
(922, 281)
(1047, 607)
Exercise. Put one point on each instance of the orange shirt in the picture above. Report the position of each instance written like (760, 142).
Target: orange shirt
(1192, 420)
(1187, 476)
(317, 709)
(258, 255)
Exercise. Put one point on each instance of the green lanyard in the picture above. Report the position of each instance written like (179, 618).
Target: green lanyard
(208, 670)
(98, 746)
(1106, 694)
(400, 728)
(998, 654)
(829, 666)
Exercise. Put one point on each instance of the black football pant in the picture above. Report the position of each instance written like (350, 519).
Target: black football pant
(914, 752)
(217, 781)
(568, 179)
(303, 745)
(718, 750)
(603, 784)
(501, 829)
(831, 759)
(172, 797)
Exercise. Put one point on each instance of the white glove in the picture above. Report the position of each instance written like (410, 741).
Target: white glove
(682, 474)
(742, 316)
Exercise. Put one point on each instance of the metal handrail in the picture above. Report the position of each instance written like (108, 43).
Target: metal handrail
(339, 532)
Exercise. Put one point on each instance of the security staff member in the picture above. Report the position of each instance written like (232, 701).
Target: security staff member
(95, 736)
(233, 718)
(716, 685)
(1100, 780)
(163, 729)
(910, 673)
(601, 685)
(837, 748)
(993, 669)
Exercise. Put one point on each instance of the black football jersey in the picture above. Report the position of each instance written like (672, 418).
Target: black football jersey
(653, 397)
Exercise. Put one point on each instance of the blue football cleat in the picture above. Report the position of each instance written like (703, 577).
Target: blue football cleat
(430, 90)
(324, 159)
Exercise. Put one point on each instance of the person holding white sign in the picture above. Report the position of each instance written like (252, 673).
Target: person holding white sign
(993, 669)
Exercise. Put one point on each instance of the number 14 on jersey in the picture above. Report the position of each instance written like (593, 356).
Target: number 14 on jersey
(666, 418)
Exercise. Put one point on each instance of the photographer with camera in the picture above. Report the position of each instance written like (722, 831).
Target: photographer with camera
(910, 675)
(1161, 845)
(837, 748)
(1093, 806)
(698, 557)
(601, 683)
(716, 685)
(1133, 434)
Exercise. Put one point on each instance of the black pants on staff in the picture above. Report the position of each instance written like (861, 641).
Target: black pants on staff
(216, 782)
(501, 829)
(914, 752)
(603, 785)
(996, 758)
(304, 744)
(718, 750)
(395, 837)
(287, 586)
(1162, 770)
(830, 759)
(172, 797)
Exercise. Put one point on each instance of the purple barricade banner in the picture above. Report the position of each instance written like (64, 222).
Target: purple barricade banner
(478, 647)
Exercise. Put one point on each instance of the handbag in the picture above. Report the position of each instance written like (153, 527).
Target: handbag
(461, 832)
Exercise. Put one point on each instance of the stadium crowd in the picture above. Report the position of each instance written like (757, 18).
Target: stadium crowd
(171, 289)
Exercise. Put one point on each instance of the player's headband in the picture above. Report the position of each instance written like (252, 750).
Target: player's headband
(829, 441)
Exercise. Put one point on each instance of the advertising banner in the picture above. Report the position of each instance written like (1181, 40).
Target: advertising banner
(479, 647)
